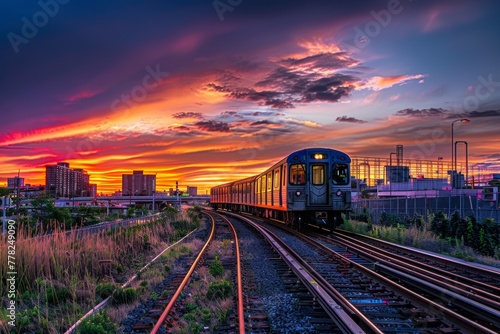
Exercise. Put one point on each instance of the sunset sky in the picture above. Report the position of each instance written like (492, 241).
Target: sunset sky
(205, 92)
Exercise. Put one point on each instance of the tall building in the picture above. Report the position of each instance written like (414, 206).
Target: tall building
(138, 184)
(61, 181)
(14, 182)
(80, 185)
(192, 191)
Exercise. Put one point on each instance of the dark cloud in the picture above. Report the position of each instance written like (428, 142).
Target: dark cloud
(187, 115)
(213, 126)
(296, 80)
(440, 112)
(180, 128)
(322, 61)
(349, 120)
(429, 112)
(264, 122)
(486, 113)
(226, 114)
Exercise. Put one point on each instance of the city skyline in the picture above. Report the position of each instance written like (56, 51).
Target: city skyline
(205, 92)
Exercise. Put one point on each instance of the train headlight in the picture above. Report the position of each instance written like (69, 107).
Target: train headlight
(298, 193)
(339, 193)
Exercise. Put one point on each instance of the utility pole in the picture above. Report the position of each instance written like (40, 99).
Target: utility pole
(4, 203)
(18, 192)
(177, 194)
(154, 188)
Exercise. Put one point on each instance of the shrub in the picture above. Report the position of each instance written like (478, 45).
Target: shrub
(122, 296)
(219, 290)
(104, 290)
(389, 219)
(216, 268)
(55, 295)
(99, 323)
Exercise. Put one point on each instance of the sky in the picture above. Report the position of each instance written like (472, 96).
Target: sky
(205, 92)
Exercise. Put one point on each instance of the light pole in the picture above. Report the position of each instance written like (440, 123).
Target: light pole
(154, 190)
(453, 158)
(4, 224)
(466, 160)
(390, 172)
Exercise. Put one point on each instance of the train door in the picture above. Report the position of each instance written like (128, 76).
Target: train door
(269, 194)
(318, 185)
(276, 187)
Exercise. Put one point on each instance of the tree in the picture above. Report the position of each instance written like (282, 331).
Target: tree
(440, 225)
(45, 211)
(87, 215)
(5, 191)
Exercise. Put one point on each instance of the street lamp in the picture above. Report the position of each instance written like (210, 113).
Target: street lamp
(453, 158)
(390, 172)
(466, 159)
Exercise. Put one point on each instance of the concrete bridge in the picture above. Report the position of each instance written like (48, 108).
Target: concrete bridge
(129, 200)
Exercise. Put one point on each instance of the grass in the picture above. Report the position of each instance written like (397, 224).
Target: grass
(58, 274)
(421, 238)
(209, 299)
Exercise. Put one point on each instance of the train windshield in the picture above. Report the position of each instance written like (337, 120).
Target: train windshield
(340, 174)
(318, 174)
(298, 174)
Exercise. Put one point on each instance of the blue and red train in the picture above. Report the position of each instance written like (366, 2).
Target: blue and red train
(310, 186)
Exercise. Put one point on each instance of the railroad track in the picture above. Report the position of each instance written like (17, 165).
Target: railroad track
(163, 311)
(168, 313)
(339, 290)
(344, 315)
(468, 289)
(393, 307)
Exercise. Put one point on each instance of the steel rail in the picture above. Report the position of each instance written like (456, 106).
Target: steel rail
(241, 312)
(418, 268)
(346, 316)
(463, 265)
(170, 305)
(467, 324)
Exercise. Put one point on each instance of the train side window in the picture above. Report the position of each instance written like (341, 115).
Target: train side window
(298, 174)
(276, 180)
(263, 184)
(340, 174)
(318, 174)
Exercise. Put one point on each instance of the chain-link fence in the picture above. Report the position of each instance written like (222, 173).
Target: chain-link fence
(466, 205)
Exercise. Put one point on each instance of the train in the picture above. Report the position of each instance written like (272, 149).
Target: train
(311, 186)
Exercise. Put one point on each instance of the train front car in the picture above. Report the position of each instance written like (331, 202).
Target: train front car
(319, 187)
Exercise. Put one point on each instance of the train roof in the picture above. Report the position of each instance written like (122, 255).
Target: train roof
(310, 152)
(334, 154)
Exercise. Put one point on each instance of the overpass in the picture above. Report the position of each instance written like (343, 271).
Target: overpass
(129, 200)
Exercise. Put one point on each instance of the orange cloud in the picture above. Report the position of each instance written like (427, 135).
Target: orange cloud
(378, 82)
